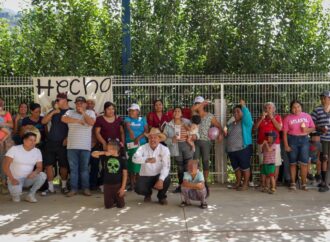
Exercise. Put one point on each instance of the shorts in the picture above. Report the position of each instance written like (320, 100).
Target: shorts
(314, 150)
(278, 157)
(268, 169)
(300, 149)
(55, 151)
(131, 166)
(241, 159)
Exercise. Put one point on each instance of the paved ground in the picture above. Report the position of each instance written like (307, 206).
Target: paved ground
(231, 216)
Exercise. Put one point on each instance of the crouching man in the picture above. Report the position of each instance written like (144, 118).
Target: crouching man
(18, 166)
(155, 167)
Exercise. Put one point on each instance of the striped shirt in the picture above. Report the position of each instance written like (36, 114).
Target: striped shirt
(79, 136)
(322, 119)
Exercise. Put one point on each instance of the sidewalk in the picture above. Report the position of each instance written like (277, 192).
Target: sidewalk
(231, 216)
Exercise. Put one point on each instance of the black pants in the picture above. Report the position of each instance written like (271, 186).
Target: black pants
(145, 184)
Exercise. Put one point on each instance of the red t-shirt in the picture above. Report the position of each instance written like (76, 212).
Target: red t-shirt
(109, 130)
(154, 121)
(267, 125)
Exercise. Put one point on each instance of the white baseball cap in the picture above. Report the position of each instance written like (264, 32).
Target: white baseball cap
(199, 99)
(134, 106)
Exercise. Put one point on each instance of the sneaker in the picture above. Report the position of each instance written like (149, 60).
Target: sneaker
(163, 201)
(251, 184)
(31, 198)
(71, 194)
(16, 199)
(323, 189)
(318, 177)
(64, 190)
(147, 199)
(310, 177)
(203, 205)
(293, 187)
(87, 192)
(177, 190)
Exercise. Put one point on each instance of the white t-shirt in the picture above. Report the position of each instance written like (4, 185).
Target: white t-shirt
(79, 136)
(23, 160)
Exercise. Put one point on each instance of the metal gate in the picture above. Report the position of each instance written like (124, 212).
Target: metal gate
(224, 91)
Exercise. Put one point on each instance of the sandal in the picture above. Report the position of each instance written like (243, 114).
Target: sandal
(304, 187)
(184, 204)
(243, 188)
(203, 205)
(272, 190)
(293, 186)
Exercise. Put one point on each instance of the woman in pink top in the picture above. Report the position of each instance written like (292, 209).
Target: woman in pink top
(296, 127)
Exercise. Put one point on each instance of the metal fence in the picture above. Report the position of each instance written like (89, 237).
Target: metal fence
(180, 90)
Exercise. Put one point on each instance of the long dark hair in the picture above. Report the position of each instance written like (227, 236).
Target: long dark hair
(293, 102)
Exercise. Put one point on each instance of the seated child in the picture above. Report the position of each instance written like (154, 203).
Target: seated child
(193, 185)
(268, 165)
(193, 130)
(114, 174)
(315, 148)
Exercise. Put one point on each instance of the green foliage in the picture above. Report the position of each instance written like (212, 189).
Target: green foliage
(80, 37)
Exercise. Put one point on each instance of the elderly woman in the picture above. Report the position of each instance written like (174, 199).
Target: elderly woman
(268, 122)
(296, 127)
(135, 128)
(239, 144)
(177, 135)
(157, 117)
(203, 143)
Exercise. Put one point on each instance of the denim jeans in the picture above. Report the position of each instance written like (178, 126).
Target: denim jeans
(78, 161)
(36, 183)
(300, 149)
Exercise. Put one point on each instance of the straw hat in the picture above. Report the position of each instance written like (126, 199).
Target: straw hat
(156, 131)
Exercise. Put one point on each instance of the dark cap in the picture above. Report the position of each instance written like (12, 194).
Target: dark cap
(62, 95)
(80, 99)
(325, 94)
(272, 134)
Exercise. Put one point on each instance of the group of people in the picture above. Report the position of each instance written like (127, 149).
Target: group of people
(114, 154)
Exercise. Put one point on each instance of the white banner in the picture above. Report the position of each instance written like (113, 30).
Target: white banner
(97, 88)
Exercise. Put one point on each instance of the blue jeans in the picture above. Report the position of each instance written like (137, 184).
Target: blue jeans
(78, 161)
(300, 149)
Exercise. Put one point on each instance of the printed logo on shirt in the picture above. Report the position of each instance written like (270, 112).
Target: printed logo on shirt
(298, 121)
(113, 165)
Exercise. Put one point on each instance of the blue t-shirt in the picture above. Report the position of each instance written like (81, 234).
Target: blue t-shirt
(197, 179)
(58, 130)
(137, 126)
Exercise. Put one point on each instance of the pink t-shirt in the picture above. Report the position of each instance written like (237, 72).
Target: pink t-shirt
(293, 123)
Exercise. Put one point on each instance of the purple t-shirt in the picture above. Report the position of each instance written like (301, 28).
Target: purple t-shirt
(109, 130)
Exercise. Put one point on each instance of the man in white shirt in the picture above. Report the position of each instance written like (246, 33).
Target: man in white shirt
(155, 167)
(18, 166)
(80, 122)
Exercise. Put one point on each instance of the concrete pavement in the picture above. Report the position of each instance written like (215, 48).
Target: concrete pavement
(231, 216)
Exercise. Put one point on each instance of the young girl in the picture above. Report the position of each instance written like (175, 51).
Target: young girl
(268, 165)
(114, 174)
